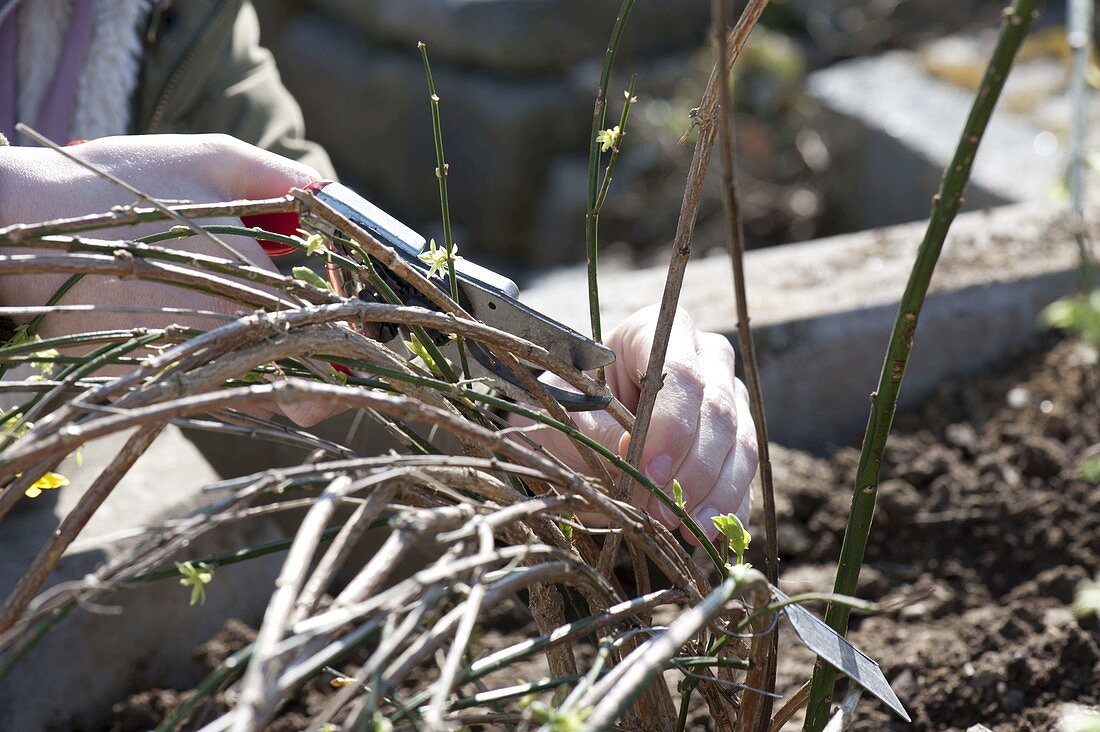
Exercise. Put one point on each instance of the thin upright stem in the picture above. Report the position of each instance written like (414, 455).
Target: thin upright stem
(735, 241)
(599, 116)
(609, 172)
(442, 172)
(884, 401)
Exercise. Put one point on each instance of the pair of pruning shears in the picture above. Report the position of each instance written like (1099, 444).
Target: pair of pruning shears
(483, 293)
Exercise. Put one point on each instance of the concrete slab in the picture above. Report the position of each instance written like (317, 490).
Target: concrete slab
(891, 123)
(517, 37)
(823, 310)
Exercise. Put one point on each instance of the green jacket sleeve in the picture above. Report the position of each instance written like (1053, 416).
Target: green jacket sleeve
(205, 71)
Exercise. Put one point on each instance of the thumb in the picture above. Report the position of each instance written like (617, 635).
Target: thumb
(252, 172)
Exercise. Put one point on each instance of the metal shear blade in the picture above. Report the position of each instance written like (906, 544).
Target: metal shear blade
(488, 296)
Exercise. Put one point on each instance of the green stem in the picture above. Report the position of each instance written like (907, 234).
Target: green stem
(32, 327)
(685, 702)
(442, 171)
(945, 205)
(615, 150)
(34, 358)
(607, 645)
(708, 662)
(79, 339)
(54, 299)
(235, 557)
(108, 353)
(255, 233)
(44, 626)
(599, 116)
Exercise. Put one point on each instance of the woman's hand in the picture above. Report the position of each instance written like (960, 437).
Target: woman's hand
(701, 432)
(38, 184)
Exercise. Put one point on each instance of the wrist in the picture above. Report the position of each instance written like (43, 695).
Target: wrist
(38, 184)
(15, 175)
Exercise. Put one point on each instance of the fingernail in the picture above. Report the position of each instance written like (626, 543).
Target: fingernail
(704, 517)
(668, 516)
(659, 469)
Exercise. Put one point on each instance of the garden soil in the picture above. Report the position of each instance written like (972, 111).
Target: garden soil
(983, 531)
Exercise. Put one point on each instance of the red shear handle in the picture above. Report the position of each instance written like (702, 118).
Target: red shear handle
(286, 224)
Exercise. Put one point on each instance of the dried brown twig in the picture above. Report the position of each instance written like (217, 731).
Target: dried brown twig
(685, 228)
(131, 215)
(194, 376)
(168, 211)
(735, 240)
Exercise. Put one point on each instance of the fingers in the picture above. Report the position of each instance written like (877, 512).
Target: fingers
(718, 466)
(676, 411)
(731, 491)
(715, 435)
(701, 430)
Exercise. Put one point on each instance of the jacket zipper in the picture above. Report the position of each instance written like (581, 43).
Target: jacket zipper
(189, 57)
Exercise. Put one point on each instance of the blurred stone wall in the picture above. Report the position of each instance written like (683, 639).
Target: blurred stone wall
(517, 80)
